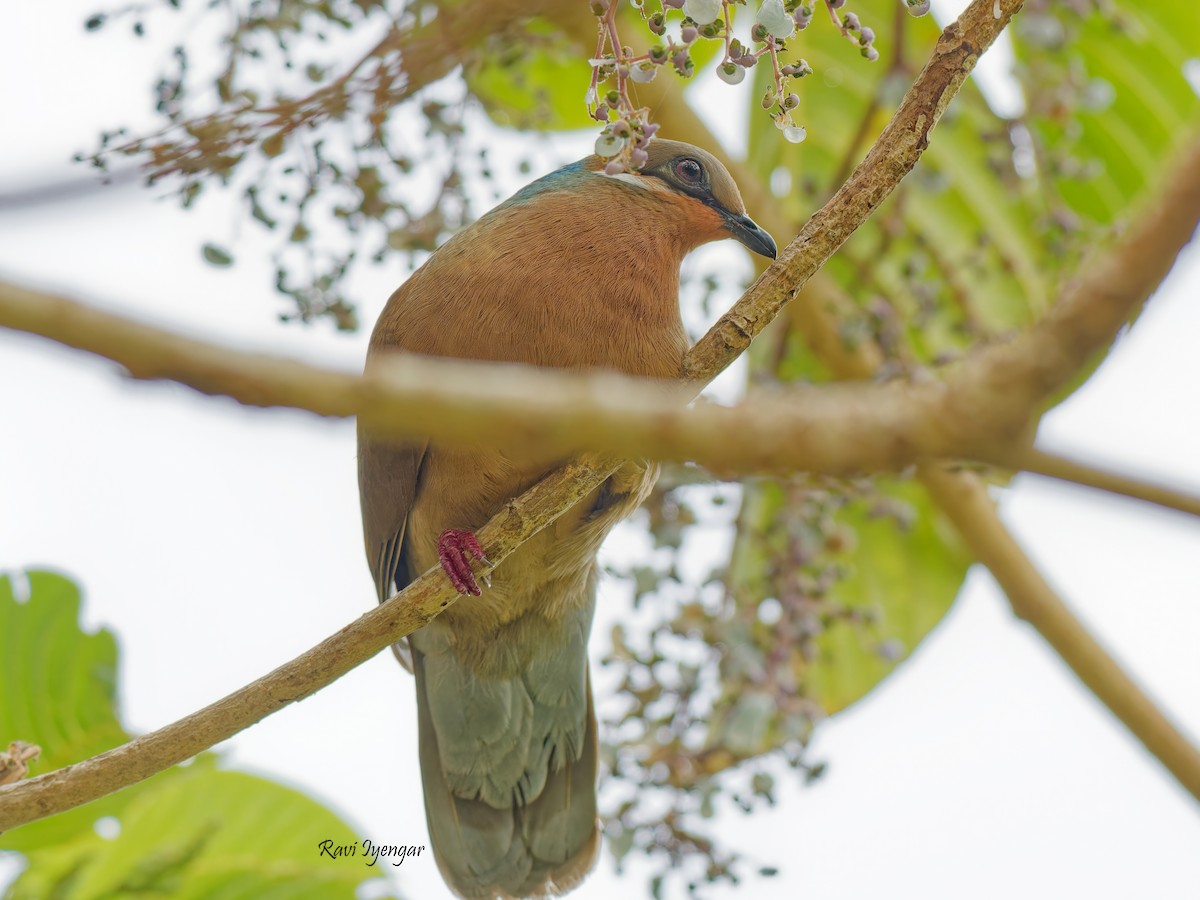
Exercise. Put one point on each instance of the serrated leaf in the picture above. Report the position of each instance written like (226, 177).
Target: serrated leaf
(59, 692)
(225, 835)
(191, 831)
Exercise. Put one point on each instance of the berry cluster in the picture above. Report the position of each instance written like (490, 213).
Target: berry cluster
(623, 139)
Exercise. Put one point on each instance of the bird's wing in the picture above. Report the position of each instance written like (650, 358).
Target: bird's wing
(388, 474)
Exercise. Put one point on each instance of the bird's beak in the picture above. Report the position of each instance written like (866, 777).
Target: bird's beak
(746, 231)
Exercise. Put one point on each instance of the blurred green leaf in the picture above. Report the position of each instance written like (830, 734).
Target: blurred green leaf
(974, 243)
(1108, 99)
(59, 686)
(192, 831)
(209, 834)
(539, 81)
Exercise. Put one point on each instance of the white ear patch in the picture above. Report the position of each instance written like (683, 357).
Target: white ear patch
(642, 182)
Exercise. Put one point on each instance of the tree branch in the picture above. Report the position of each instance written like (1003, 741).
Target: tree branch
(1039, 462)
(967, 503)
(815, 314)
(409, 610)
(891, 158)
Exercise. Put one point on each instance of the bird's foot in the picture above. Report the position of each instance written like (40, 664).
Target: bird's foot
(453, 547)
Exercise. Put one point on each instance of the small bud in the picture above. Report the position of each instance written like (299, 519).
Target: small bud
(731, 73)
(621, 129)
(791, 132)
(657, 23)
(802, 16)
(643, 72)
(711, 30)
(638, 157)
(614, 168)
(836, 4)
(866, 36)
(794, 133)
(850, 22)
(759, 32)
(658, 53)
(769, 98)
(608, 144)
(791, 101)
(673, 4)
(870, 53)
(689, 33)
(613, 99)
(916, 8)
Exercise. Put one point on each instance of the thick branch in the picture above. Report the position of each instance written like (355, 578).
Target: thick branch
(893, 156)
(978, 408)
(816, 315)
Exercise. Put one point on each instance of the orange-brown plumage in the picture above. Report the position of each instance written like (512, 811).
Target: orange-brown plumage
(578, 270)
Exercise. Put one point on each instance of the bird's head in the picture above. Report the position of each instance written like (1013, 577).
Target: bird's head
(701, 192)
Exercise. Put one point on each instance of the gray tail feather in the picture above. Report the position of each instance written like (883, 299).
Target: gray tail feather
(533, 847)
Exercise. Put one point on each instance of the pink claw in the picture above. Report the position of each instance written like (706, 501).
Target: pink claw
(453, 547)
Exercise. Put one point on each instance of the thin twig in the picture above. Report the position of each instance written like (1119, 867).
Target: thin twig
(1039, 462)
(967, 503)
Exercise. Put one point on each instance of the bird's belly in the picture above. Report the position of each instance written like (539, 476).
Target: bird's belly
(464, 488)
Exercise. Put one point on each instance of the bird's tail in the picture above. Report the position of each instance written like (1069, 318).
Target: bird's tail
(509, 770)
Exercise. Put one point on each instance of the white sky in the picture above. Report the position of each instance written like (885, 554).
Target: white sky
(218, 542)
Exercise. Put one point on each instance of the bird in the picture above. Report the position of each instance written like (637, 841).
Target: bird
(578, 270)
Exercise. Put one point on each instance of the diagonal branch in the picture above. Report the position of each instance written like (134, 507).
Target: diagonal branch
(893, 156)
(966, 501)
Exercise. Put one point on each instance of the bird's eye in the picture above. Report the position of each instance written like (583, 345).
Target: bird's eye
(689, 171)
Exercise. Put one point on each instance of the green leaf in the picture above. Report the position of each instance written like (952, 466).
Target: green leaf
(953, 256)
(215, 834)
(59, 686)
(903, 578)
(974, 243)
(192, 831)
(1108, 100)
(898, 566)
(539, 82)
(956, 251)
